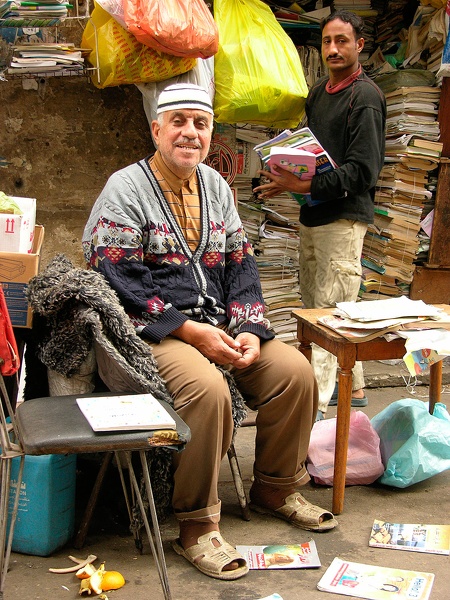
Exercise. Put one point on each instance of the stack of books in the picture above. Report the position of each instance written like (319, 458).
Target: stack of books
(33, 13)
(413, 110)
(392, 244)
(54, 58)
(273, 230)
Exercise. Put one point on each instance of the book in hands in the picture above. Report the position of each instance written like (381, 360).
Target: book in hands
(126, 413)
(375, 583)
(277, 556)
(300, 162)
(433, 539)
(302, 139)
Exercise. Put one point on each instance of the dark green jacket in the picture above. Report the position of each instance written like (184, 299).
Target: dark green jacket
(350, 125)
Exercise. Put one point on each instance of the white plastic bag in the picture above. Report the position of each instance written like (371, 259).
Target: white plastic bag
(202, 74)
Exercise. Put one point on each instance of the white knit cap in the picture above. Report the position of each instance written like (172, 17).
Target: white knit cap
(184, 95)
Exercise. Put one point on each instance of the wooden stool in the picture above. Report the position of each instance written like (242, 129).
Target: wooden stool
(347, 353)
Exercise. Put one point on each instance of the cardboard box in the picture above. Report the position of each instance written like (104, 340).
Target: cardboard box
(17, 231)
(16, 270)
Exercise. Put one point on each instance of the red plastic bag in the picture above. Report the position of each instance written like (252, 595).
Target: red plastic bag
(178, 27)
(9, 355)
(364, 464)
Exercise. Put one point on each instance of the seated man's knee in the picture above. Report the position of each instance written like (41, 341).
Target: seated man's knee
(294, 368)
(208, 390)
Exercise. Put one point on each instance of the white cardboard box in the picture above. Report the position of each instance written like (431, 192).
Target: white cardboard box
(17, 231)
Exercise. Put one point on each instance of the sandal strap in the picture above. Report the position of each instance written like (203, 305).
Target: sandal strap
(295, 505)
(211, 557)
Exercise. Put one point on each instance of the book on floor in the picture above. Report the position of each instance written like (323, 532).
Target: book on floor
(125, 413)
(375, 583)
(277, 556)
(434, 539)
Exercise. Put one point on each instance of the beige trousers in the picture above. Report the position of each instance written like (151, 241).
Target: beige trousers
(280, 386)
(330, 272)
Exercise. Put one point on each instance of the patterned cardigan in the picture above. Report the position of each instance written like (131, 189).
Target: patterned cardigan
(133, 239)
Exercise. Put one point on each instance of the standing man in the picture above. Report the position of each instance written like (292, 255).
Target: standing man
(347, 113)
(166, 235)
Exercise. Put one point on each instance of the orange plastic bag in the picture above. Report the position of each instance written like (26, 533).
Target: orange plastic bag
(122, 59)
(178, 27)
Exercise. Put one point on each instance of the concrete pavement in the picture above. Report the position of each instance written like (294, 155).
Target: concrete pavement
(425, 502)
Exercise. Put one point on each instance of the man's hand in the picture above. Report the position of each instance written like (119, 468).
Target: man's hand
(281, 181)
(250, 345)
(212, 342)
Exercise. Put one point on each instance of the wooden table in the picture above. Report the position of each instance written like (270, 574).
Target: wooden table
(347, 353)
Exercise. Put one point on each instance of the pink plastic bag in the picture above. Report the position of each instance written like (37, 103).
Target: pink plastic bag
(364, 464)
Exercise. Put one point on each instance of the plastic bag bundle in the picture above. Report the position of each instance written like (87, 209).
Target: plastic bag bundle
(121, 58)
(364, 464)
(414, 444)
(258, 74)
(178, 27)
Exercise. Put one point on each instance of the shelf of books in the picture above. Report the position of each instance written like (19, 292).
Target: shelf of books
(48, 60)
(44, 58)
(40, 13)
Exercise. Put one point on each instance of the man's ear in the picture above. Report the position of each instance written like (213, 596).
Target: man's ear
(360, 44)
(155, 132)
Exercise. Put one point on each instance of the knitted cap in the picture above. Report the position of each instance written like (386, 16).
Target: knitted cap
(184, 95)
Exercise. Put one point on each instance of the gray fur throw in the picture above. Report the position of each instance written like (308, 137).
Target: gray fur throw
(74, 309)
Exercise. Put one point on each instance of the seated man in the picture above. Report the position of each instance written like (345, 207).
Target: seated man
(166, 235)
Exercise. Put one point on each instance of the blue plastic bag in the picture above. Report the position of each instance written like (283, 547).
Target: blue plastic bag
(414, 444)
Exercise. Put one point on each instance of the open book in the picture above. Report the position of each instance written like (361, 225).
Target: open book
(375, 583)
(434, 539)
(125, 413)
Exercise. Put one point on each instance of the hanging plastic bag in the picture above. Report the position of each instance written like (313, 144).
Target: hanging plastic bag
(115, 9)
(121, 58)
(9, 355)
(178, 27)
(414, 444)
(258, 74)
(364, 464)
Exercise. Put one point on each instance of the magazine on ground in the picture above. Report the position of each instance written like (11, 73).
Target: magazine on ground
(277, 556)
(434, 539)
(375, 583)
(125, 413)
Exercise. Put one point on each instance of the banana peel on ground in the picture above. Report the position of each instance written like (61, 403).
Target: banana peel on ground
(100, 579)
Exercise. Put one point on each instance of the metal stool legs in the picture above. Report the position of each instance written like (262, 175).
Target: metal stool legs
(8, 450)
